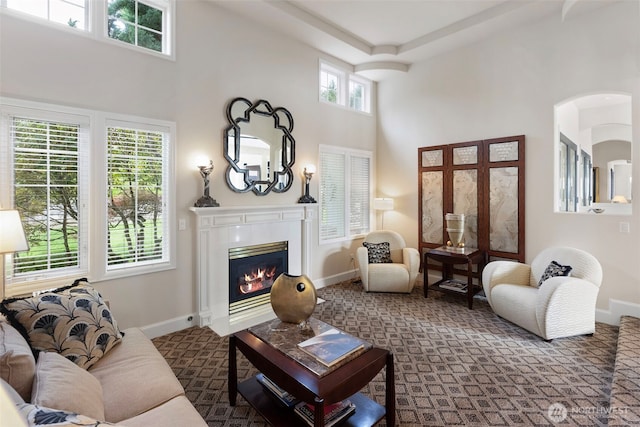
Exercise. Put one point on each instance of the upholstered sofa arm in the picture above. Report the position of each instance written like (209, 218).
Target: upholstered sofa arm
(411, 259)
(501, 272)
(565, 305)
(362, 258)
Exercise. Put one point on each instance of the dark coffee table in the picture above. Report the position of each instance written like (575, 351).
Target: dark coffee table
(334, 385)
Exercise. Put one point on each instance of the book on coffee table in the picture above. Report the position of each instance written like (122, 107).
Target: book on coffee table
(333, 413)
(332, 346)
(454, 286)
(286, 398)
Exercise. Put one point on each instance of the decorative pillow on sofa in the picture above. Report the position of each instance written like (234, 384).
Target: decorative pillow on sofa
(379, 253)
(60, 383)
(554, 269)
(40, 416)
(73, 321)
(17, 364)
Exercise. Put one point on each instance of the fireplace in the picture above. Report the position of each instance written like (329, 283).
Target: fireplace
(252, 271)
(221, 229)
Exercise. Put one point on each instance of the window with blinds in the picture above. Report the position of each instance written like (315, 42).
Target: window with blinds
(48, 191)
(136, 182)
(345, 193)
(62, 168)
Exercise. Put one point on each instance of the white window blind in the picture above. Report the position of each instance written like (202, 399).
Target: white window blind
(137, 177)
(332, 195)
(345, 193)
(359, 200)
(49, 160)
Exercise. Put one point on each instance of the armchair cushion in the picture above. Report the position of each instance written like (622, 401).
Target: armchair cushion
(378, 253)
(554, 269)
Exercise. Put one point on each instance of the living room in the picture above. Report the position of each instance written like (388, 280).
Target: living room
(505, 84)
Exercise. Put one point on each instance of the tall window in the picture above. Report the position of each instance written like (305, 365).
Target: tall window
(58, 184)
(49, 162)
(345, 193)
(342, 88)
(136, 178)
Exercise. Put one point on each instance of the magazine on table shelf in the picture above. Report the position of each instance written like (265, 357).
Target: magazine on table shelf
(283, 396)
(454, 285)
(333, 413)
(332, 346)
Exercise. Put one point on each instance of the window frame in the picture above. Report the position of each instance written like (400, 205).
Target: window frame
(93, 264)
(346, 220)
(96, 15)
(345, 80)
(569, 167)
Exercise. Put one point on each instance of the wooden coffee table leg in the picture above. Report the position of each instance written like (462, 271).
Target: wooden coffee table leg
(318, 409)
(390, 395)
(233, 373)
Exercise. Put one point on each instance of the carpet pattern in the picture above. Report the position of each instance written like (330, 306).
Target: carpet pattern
(453, 366)
(625, 399)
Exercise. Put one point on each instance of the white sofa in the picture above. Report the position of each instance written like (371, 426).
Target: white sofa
(399, 275)
(562, 306)
(137, 386)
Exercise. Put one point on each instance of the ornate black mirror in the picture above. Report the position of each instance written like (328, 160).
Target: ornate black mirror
(259, 147)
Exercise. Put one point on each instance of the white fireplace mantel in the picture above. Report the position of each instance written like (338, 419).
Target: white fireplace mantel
(222, 228)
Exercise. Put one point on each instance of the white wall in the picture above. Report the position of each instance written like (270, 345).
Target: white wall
(508, 85)
(219, 57)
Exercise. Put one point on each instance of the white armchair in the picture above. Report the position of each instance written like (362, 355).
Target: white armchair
(561, 306)
(397, 276)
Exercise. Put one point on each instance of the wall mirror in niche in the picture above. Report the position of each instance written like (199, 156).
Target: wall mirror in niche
(259, 147)
(593, 154)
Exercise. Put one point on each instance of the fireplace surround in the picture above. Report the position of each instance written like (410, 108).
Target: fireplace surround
(224, 230)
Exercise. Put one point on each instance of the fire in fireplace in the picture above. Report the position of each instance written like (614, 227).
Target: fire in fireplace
(252, 271)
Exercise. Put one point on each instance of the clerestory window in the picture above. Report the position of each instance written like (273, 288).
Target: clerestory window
(342, 88)
(142, 24)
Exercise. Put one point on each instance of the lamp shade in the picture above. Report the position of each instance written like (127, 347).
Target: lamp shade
(383, 204)
(12, 237)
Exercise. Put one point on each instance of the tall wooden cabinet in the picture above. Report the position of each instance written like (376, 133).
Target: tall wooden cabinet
(483, 180)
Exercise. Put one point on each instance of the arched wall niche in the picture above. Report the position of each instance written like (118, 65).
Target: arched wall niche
(593, 149)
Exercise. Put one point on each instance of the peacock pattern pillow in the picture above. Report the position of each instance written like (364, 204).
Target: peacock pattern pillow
(554, 269)
(379, 253)
(39, 416)
(73, 321)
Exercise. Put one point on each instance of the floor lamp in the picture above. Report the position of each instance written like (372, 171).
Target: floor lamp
(12, 238)
(383, 204)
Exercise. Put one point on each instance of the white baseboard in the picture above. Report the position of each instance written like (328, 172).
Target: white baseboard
(617, 308)
(337, 278)
(168, 326)
(179, 323)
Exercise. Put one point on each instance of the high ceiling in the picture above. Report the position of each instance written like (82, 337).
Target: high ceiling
(382, 36)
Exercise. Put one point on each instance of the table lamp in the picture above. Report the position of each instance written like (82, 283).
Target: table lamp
(12, 238)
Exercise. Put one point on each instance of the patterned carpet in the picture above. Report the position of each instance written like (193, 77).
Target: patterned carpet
(453, 366)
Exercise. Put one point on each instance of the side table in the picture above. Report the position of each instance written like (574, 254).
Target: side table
(449, 257)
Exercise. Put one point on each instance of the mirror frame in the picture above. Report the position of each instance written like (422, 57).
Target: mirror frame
(279, 115)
